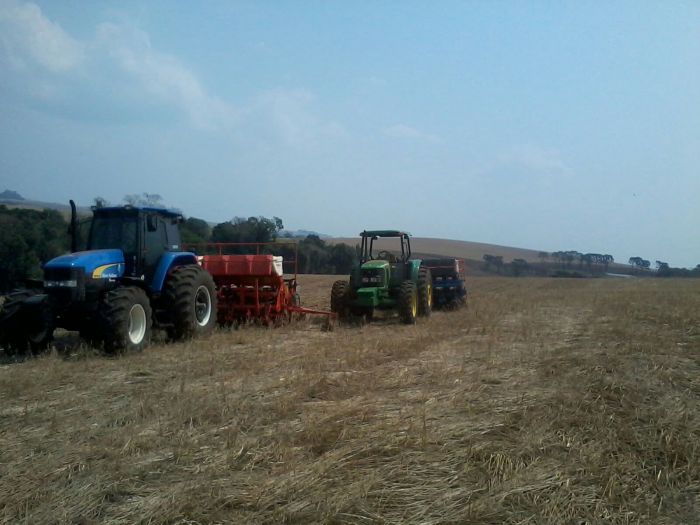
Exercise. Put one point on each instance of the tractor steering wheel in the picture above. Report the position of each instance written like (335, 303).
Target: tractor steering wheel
(386, 256)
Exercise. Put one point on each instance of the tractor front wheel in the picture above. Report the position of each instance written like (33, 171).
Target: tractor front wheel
(190, 300)
(408, 302)
(126, 320)
(425, 292)
(339, 298)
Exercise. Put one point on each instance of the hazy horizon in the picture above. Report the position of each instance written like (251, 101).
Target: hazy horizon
(545, 126)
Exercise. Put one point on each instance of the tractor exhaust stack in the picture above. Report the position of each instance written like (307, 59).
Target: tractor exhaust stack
(73, 229)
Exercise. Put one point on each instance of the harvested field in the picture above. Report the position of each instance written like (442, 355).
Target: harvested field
(546, 401)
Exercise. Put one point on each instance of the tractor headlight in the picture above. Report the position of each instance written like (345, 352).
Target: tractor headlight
(71, 283)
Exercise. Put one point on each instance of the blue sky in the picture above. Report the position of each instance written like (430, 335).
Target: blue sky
(545, 125)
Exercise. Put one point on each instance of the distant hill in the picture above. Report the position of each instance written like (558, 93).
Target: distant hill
(423, 246)
(40, 205)
(472, 252)
(11, 195)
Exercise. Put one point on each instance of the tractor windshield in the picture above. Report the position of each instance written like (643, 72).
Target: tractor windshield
(385, 251)
(114, 231)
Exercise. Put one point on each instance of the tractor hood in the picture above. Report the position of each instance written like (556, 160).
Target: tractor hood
(98, 264)
(370, 265)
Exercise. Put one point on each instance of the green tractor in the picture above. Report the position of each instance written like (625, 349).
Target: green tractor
(384, 281)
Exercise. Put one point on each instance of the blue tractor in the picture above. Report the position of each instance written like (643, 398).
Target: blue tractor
(449, 288)
(133, 276)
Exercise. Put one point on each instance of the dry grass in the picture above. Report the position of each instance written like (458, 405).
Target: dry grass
(546, 401)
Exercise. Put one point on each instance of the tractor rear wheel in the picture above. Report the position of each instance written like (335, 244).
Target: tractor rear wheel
(408, 302)
(40, 327)
(340, 294)
(125, 316)
(190, 302)
(425, 292)
(26, 324)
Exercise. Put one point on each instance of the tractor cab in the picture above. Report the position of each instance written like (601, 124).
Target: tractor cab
(123, 243)
(143, 235)
(379, 267)
(367, 248)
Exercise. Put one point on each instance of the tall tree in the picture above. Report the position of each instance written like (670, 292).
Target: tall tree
(607, 260)
(153, 200)
(662, 269)
(27, 239)
(252, 229)
(519, 266)
(195, 231)
(100, 202)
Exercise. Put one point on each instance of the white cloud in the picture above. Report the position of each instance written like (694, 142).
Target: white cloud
(27, 36)
(405, 132)
(526, 168)
(162, 75)
(537, 159)
(119, 74)
(289, 114)
(120, 57)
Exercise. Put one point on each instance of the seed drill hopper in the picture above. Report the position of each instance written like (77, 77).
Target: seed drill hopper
(254, 287)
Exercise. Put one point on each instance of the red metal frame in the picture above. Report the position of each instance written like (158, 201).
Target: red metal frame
(248, 288)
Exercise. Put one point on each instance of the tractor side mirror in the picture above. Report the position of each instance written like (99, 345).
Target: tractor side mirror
(152, 223)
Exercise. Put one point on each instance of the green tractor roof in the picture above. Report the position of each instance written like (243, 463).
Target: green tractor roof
(384, 233)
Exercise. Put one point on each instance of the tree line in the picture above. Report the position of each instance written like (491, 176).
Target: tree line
(663, 269)
(313, 254)
(572, 263)
(562, 263)
(27, 239)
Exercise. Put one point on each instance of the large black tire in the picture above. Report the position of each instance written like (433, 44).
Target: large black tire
(125, 320)
(340, 295)
(189, 299)
(425, 292)
(461, 300)
(26, 322)
(40, 327)
(408, 302)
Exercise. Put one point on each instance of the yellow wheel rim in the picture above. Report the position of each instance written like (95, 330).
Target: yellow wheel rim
(414, 306)
(430, 295)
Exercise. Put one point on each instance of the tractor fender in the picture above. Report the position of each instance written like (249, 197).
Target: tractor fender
(168, 261)
(415, 269)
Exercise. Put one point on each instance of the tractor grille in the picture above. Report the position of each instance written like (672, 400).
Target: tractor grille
(372, 278)
(65, 285)
(58, 274)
